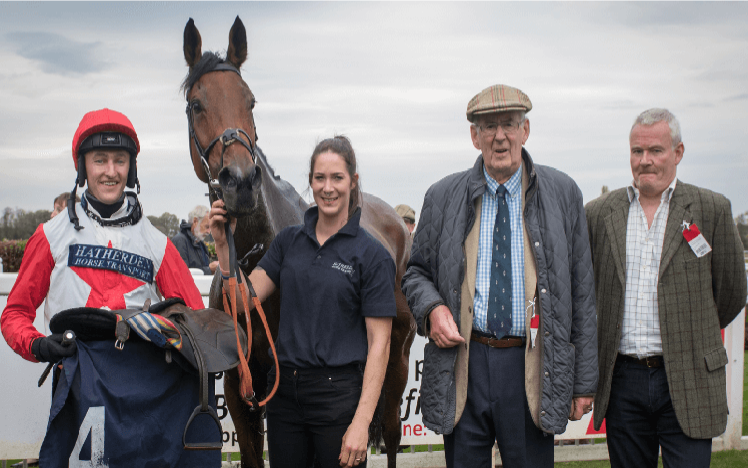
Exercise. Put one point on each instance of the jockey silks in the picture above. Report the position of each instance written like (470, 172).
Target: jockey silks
(110, 267)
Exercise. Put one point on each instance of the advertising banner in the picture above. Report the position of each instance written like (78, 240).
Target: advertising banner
(415, 433)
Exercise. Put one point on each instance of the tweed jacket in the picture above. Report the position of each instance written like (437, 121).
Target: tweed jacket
(441, 271)
(696, 298)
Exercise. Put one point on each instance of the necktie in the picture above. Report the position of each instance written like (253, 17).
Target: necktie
(500, 293)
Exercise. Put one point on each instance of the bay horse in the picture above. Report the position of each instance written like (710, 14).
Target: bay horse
(219, 113)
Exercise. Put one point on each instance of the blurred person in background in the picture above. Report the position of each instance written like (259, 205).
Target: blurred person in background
(61, 202)
(409, 216)
(189, 240)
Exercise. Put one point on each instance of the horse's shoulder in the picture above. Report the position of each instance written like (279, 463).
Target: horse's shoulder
(384, 224)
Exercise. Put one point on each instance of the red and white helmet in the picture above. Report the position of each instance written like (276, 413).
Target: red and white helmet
(108, 129)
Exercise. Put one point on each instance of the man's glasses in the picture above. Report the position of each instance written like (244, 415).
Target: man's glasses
(509, 127)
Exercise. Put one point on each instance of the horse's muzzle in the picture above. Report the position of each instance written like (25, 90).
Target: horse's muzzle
(240, 189)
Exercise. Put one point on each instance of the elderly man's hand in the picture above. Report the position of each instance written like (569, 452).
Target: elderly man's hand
(444, 330)
(579, 407)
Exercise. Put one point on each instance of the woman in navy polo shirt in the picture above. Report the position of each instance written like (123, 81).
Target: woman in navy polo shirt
(337, 303)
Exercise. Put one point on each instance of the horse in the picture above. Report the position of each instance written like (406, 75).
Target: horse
(219, 111)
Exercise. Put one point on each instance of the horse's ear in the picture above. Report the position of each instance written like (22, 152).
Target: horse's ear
(237, 52)
(193, 44)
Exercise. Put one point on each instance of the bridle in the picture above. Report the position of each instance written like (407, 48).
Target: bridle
(247, 292)
(227, 138)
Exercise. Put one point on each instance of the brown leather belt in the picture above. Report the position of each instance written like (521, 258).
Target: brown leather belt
(505, 342)
(649, 361)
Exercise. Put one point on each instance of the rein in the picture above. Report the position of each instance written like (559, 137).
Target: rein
(227, 138)
(247, 392)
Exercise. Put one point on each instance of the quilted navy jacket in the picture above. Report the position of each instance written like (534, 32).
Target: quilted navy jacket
(555, 219)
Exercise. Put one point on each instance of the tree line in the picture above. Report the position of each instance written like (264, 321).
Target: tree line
(18, 224)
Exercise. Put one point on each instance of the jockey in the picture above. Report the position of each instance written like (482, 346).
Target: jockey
(105, 254)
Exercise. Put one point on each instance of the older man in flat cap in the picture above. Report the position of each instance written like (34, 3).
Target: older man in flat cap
(500, 280)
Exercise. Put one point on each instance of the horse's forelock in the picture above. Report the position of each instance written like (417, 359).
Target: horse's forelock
(207, 62)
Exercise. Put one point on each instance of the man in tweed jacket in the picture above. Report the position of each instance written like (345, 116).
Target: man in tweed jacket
(661, 306)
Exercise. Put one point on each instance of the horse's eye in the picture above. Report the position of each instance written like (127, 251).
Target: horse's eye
(252, 105)
(196, 107)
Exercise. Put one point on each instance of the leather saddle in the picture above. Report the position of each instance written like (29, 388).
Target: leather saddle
(209, 343)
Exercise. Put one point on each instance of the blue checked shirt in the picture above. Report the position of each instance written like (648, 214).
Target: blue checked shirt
(489, 207)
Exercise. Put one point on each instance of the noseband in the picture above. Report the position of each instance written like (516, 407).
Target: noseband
(227, 138)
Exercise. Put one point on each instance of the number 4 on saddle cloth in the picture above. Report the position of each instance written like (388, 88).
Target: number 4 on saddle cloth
(123, 401)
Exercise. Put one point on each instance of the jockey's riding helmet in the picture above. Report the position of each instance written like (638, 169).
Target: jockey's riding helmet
(107, 129)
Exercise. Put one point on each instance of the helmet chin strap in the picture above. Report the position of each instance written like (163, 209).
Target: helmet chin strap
(80, 180)
(71, 206)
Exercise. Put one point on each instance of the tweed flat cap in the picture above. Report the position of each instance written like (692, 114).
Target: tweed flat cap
(498, 98)
(406, 212)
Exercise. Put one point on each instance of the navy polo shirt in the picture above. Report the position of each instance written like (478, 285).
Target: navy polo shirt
(327, 291)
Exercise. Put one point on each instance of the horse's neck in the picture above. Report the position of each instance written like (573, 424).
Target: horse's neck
(278, 206)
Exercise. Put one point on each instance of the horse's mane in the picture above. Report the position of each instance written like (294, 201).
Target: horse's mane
(207, 62)
(270, 168)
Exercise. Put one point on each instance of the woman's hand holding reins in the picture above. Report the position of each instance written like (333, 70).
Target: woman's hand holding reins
(218, 217)
(263, 285)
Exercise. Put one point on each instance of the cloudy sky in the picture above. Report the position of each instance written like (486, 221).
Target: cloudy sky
(394, 77)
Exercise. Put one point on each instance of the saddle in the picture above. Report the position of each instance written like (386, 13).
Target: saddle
(209, 343)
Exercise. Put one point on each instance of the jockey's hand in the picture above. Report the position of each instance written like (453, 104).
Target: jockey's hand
(50, 348)
(218, 216)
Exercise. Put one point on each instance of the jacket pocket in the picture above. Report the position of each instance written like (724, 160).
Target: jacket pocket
(437, 375)
(716, 359)
(563, 383)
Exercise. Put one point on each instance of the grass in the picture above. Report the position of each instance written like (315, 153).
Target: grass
(723, 459)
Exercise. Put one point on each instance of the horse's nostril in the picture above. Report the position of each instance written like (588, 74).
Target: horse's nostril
(231, 183)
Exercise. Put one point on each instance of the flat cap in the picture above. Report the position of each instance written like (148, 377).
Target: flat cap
(406, 212)
(498, 98)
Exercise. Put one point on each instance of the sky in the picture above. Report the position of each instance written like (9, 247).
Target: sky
(394, 77)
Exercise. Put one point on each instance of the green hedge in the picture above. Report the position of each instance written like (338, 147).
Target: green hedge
(11, 251)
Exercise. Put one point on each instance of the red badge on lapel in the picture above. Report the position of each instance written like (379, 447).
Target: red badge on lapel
(534, 323)
(695, 239)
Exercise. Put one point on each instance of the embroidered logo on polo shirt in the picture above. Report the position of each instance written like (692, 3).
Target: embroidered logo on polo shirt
(105, 258)
(347, 269)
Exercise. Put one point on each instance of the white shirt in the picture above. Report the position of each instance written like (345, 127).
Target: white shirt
(640, 336)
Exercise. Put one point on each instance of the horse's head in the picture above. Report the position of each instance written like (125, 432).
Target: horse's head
(219, 112)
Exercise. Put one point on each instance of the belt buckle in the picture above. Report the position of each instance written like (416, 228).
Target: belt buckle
(651, 361)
